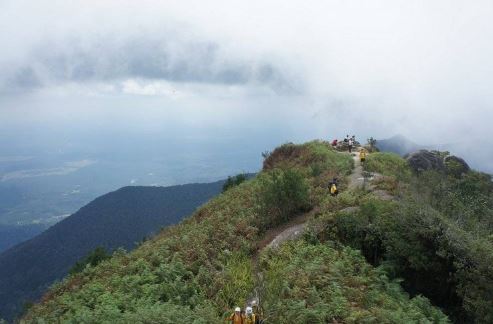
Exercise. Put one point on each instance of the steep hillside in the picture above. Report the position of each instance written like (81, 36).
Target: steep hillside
(118, 219)
(435, 233)
(195, 272)
(11, 235)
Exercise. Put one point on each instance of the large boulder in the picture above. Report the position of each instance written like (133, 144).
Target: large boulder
(433, 160)
(423, 160)
(456, 165)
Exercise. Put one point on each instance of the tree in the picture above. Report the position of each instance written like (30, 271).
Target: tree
(282, 194)
(95, 257)
(372, 143)
(234, 181)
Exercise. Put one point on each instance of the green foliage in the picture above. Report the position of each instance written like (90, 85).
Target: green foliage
(453, 168)
(266, 154)
(308, 283)
(389, 164)
(282, 194)
(467, 200)
(372, 144)
(197, 271)
(432, 240)
(316, 156)
(92, 259)
(234, 181)
(117, 219)
(238, 280)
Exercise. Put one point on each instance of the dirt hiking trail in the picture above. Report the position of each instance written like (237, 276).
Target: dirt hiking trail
(293, 229)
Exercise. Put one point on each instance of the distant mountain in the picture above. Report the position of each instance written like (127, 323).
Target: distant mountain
(11, 235)
(117, 219)
(398, 144)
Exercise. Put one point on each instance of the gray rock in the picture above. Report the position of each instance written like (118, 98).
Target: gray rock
(456, 165)
(432, 160)
(425, 160)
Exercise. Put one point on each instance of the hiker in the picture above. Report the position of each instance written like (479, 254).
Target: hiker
(333, 188)
(236, 317)
(250, 317)
(350, 145)
(334, 143)
(346, 139)
(258, 312)
(362, 155)
(243, 316)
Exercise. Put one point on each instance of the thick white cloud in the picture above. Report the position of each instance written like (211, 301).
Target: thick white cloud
(420, 68)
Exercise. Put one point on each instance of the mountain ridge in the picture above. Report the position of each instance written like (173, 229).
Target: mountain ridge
(346, 266)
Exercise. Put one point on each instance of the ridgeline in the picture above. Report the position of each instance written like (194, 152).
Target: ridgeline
(401, 247)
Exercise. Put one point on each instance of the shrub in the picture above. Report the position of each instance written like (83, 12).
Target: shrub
(282, 194)
(433, 255)
(316, 283)
(92, 259)
(234, 181)
(238, 280)
(389, 164)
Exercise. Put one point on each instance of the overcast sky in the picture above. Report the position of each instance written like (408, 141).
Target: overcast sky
(423, 69)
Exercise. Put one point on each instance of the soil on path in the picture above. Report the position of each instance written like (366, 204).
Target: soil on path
(356, 179)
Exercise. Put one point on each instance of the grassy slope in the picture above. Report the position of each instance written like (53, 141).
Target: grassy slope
(197, 271)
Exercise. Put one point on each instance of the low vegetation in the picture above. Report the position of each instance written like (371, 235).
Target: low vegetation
(94, 258)
(118, 219)
(437, 236)
(200, 268)
(234, 181)
(282, 194)
(388, 164)
(327, 283)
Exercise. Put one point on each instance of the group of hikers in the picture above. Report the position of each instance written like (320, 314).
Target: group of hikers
(251, 315)
(348, 142)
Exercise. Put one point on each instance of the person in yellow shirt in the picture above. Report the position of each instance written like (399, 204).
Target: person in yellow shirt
(334, 191)
(258, 312)
(250, 317)
(236, 317)
(362, 155)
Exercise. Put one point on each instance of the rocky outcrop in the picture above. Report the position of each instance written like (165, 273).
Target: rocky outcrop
(456, 165)
(433, 160)
(423, 160)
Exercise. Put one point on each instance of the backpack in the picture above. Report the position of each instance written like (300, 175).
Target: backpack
(333, 189)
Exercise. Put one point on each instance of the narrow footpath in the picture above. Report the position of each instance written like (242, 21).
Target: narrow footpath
(356, 179)
(295, 228)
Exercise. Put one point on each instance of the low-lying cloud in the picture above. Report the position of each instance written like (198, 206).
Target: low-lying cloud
(111, 59)
(421, 69)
